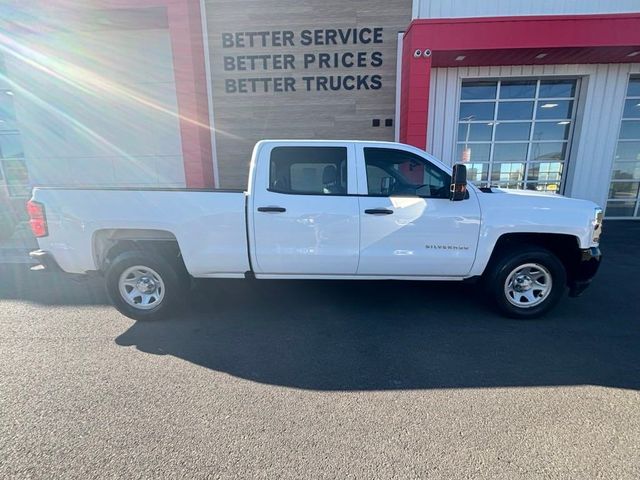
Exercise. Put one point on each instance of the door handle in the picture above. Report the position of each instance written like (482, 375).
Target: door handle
(272, 209)
(378, 211)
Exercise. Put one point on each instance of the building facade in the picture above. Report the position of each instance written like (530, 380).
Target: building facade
(174, 93)
(536, 95)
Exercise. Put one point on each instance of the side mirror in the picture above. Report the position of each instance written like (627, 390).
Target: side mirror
(458, 189)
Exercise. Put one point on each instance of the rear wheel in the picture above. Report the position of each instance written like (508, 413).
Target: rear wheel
(145, 286)
(527, 282)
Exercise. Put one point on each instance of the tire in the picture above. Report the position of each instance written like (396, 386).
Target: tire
(526, 282)
(145, 286)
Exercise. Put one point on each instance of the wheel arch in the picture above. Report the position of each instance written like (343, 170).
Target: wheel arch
(564, 246)
(109, 243)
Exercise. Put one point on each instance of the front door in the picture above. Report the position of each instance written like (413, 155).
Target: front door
(408, 225)
(305, 222)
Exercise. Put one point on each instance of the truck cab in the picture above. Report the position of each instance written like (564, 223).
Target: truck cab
(357, 209)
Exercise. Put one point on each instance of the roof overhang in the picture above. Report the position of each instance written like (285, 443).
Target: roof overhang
(528, 40)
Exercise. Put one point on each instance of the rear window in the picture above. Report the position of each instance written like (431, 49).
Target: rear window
(308, 170)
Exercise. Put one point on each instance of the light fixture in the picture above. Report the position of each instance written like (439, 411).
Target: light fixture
(459, 58)
(9, 92)
(637, 104)
(564, 122)
(633, 54)
(549, 105)
(541, 55)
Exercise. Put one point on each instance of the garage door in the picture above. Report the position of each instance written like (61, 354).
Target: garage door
(95, 101)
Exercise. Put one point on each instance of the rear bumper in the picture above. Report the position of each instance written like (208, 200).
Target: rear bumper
(585, 271)
(44, 262)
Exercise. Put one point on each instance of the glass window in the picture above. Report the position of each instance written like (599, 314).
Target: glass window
(545, 171)
(630, 129)
(512, 131)
(477, 172)
(507, 172)
(620, 209)
(526, 142)
(624, 189)
(509, 152)
(479, 90)
(7, 111)
(515, 110)
(634, 87)
(477, 111)
(392, 172)
(309, 170)
(544, 187)
(473, 152)
(475, 132)
(551, 131)
(548, 151)
(628, 151)
(10, 146)
(632, 108)
(554, 109)
(557, 89)
(518, 89)
(626, 171)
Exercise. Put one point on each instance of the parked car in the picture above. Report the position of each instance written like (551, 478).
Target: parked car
(324, 210)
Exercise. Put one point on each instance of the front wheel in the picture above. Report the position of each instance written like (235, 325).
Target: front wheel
(527, 282)
(144, 286)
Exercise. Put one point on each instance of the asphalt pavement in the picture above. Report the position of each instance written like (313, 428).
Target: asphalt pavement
(261, 379)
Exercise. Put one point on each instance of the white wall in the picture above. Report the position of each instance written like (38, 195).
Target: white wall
(491, 8)
(97, 106)
(601, 101)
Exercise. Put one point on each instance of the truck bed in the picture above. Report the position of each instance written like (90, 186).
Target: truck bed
(209, 225)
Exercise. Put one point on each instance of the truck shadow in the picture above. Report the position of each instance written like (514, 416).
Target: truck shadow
(49, 288)
(396, 335)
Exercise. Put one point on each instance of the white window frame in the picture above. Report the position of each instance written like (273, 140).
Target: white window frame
(636, 210)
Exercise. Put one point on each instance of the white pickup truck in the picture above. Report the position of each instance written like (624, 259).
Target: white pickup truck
(323, 210)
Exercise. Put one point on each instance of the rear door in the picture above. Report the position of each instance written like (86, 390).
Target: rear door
(305, 211)
(408, 225)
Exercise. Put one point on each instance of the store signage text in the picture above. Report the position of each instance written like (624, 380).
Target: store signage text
(293, 65)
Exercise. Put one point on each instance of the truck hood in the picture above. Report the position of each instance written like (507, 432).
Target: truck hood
(525, 193)
(534, 199)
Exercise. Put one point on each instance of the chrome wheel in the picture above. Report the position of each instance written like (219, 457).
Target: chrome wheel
(141, 287)
(528, 285)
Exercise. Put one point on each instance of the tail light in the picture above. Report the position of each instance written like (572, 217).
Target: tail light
(38, 219)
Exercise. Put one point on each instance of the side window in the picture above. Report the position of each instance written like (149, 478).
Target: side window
(392, 172)
(308, 170)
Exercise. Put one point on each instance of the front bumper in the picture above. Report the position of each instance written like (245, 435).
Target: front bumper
(585, 270)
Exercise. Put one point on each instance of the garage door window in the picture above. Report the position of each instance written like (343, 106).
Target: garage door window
(516, 133)
(624, 197)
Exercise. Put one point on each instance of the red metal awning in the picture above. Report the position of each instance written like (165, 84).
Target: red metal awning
(525, 40)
